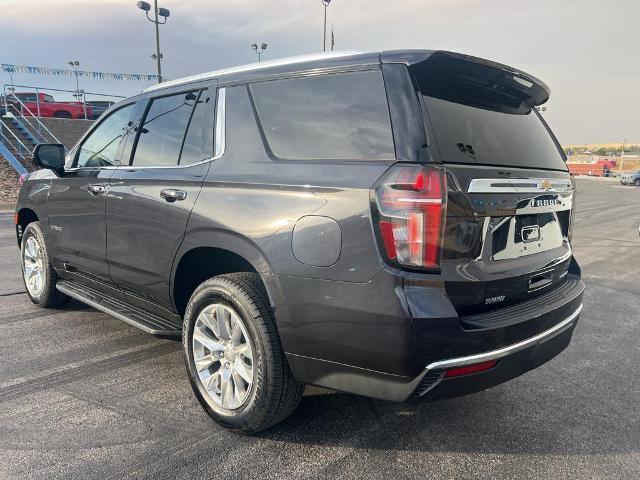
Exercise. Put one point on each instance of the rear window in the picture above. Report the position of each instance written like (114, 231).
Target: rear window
(467, 134)
(337, 116)
(27, 97)
(482, 113)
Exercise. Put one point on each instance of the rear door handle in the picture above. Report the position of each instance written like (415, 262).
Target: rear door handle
(171, 195)
(97, 189)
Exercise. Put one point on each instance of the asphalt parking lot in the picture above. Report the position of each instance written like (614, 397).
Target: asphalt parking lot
(83, 395)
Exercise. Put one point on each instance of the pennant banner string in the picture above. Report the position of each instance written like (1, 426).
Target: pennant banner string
(61, 72)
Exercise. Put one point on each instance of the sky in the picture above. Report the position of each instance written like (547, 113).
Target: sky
(587, 51)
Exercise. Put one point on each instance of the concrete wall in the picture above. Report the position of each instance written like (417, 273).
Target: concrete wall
(67, 130)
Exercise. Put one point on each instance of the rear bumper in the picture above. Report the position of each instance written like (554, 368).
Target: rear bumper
(513, 360)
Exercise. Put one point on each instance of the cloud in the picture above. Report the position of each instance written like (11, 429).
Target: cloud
(586, 50)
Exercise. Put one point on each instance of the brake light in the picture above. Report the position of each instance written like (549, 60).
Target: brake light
(409, 213)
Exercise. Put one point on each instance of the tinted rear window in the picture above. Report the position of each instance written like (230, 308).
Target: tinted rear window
(338, 116)
(27, 97)
(467, 134)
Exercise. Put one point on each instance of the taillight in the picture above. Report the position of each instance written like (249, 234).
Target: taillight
(409, 214)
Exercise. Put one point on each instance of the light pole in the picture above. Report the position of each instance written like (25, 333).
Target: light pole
(624, 142)
(164, 13)
(75, 64)
(259, 51)
(324, 36)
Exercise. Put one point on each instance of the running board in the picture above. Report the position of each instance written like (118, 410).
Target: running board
(136, 317)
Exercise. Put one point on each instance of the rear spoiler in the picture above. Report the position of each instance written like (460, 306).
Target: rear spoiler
(472, 80)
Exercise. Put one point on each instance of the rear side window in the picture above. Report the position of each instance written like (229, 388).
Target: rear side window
(198, 143)
(173, 131)
(337, 116)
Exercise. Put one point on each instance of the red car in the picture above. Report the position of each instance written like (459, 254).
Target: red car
(43, 105)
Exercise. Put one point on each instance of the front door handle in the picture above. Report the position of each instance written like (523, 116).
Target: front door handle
(171, 195)
(97, 189)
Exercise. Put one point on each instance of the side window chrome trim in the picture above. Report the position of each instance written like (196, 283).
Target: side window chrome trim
(220, 132)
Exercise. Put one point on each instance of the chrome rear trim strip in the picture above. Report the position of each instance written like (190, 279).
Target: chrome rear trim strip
(519, 185)
(503, 352)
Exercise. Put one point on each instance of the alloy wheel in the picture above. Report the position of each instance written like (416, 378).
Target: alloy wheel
(33, 267)
(223, 356)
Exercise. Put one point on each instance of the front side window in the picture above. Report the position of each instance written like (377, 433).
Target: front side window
(100, 148)
(338, 116)
(176, 130)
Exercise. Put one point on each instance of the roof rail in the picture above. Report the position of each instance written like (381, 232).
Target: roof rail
(251, 67)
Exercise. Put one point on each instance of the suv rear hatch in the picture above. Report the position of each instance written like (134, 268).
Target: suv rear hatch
(510, 196)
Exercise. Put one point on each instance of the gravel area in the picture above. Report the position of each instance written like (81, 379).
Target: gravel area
(8, 183)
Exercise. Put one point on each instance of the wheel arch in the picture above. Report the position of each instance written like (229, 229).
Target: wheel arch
(24, 216)
(206, 253)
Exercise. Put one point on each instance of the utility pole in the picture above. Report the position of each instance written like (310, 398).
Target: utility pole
(75, 64)
(164, 13)
(324, 36)
(624, 142)
(333, 39)
(158, 60)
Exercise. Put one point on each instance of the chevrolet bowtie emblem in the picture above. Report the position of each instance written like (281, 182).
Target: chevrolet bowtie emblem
(546, 185)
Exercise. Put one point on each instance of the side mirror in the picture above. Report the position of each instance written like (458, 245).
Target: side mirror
(49, 155)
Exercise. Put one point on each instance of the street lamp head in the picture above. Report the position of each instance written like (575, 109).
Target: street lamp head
(74, 63)
(263, 46)
(254, 46)
(326, 2)
(144, 6)
(164, 12)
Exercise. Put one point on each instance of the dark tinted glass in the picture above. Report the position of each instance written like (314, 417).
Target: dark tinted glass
(340, 116)
(198, 144)
(163, 130)
(100, 103)
(27, 97)
(101, 146)
(467, 134)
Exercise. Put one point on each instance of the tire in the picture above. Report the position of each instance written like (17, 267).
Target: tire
(273, 394)
(636, 182)
(33, 250)
(62, 114)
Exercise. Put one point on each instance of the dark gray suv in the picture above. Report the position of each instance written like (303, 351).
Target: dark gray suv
(395, 225)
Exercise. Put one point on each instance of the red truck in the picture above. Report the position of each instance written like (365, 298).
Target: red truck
(43, 105)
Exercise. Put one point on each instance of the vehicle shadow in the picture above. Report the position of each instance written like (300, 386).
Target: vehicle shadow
(521, 417)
